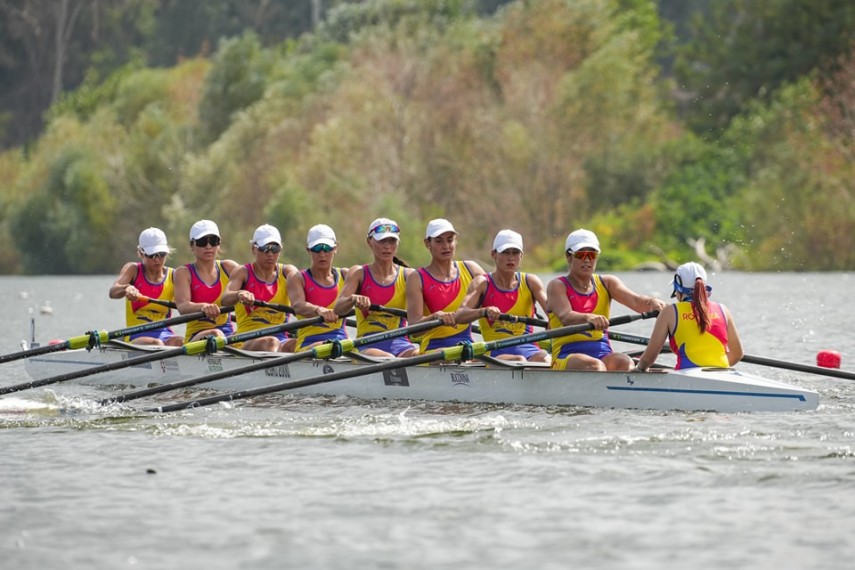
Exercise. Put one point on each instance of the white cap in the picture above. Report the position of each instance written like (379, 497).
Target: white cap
(266, 234)
(438, 227)
(204, 228)
(385, 234)
(320, 234)
(581, 239)
(507, 239)
(153, 241)
(684, 278)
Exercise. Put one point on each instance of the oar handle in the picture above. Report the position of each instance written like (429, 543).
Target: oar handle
(163, 302)
(275, 306)
(527, 320)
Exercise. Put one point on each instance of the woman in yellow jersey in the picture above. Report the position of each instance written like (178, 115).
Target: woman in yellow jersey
(584, 297)
(701, 332)
(265, 279)
(437, 290)
(505, 290)
(199, 285)
(314, 290)
(149, 278)
(383, 282)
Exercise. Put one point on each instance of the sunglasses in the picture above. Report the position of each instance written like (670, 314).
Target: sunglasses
(383, 228)
(322, 247)
(159, 255)
(584, 255)
(205, 241)
(269, 248)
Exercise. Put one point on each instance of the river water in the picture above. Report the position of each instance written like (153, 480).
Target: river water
(293, 482)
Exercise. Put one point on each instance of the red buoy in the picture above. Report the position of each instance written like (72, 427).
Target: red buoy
(828, 359)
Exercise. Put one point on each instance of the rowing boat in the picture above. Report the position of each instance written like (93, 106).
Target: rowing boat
(499, 382)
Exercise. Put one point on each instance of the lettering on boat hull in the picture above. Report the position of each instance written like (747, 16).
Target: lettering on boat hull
(460, 379)
(278, 371)
(396, 377)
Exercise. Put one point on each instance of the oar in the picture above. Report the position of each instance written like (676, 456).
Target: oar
(90, 339)
(455, 353)
(633, 339)
(503, 317)
(207, 345)
(326, 350)
(163, 302)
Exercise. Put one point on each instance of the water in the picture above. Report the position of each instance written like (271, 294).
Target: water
(338, 483)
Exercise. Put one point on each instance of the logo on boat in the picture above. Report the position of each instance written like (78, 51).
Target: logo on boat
(328, 369)
(396, 377)
(168, 366)
(278, 371)
(215, 364)
(460, 378)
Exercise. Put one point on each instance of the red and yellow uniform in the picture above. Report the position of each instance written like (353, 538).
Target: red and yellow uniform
(445, 296)
(594, 343)
(201, 292)
(321, 296)
(276, 291)
(142, 312)
(693, 348)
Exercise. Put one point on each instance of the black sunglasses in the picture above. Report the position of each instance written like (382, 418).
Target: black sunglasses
(158, 255)
(205, 241)
(269, 248)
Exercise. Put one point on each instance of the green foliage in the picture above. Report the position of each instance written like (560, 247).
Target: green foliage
(236, 80)
(62, 228)
(746, 49)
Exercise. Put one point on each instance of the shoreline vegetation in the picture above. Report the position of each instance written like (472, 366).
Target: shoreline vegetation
(665, 127)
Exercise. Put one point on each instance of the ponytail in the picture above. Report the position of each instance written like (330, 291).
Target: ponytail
(700, 308)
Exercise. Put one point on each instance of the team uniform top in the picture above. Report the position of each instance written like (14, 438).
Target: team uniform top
(142, 312)
(445, 296)
(201, 292)
(591, 342)
(321, 296)
(693, 348)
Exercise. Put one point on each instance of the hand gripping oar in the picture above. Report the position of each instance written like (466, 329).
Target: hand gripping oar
(275, 306)
(455, 353)
(93, 338)
(763, 361)
(503, 317)
(327, 350)
(207, 345)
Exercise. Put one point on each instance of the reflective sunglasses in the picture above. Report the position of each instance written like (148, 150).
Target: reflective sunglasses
(205, 241)
(269, 248)
(322, 247)
(159, 255)
(584, 255)
(383, 228)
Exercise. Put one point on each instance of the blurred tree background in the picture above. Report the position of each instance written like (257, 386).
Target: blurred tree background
(664, 126)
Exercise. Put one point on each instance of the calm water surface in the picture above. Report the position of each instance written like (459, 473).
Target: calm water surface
(339, 483)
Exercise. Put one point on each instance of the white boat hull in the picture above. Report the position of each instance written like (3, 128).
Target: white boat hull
(694, 389)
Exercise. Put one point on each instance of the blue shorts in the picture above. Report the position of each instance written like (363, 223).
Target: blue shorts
(453, 340)
(595, 348)
(527, 351)
(162, 335)
(393, 346)
(336, 334)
